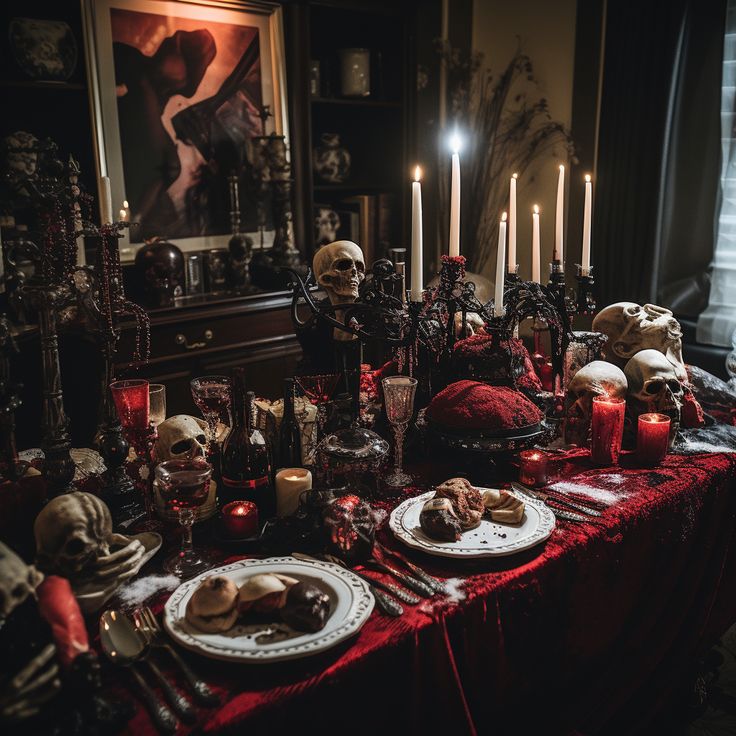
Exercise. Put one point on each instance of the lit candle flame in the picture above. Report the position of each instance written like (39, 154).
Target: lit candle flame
(455, 142)
(417, 174)
(515, 175)
(125, 204)
(504, 217)
(562, 168)
(536, 209)
(587, 177)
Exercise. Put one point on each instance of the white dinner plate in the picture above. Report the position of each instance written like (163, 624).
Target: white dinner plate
(351, 603)
(490, 539)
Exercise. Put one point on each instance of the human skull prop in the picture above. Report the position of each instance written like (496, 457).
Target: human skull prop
(180, 437)
(597, 378)
(654, 387)
(631, 328)
(339, 269)
(71, 532)
(17, 581)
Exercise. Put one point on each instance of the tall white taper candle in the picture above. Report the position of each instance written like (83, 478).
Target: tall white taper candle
(105, 200)
(587, 214)
(536, 272)
(498, 309)
(558, 254)
(512, 223)
(417, 244)
(455, 198)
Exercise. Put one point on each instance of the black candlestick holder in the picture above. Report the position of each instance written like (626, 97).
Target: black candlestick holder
(585, 297)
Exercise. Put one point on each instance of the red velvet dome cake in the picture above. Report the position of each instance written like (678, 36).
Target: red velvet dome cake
(474, 406)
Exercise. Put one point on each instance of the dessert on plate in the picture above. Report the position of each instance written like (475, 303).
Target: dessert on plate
(458, 507)
(218, 604)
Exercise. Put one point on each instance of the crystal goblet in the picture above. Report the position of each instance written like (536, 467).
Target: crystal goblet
(212, 396)
(398, 396)
(184, 486)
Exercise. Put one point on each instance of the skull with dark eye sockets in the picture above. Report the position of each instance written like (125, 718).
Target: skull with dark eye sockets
(340, 268)
(654, 387)
(180, 437)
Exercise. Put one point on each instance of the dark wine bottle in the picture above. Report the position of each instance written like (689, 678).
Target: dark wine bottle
(290, 437)
(246, 467)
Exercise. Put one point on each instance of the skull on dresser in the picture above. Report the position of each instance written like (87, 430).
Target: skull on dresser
(597, 378)
(339, 269)
(654, 387)
(180, 437)
(631, 328)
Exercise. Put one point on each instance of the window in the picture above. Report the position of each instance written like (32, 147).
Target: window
(718, 322)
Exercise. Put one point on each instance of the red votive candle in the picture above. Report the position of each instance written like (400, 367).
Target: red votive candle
(607, 429)
(240, 519)
(652, 438)
(132, 402)
(533, 468)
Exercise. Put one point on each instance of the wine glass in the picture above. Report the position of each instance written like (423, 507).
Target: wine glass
(398, 396)
(184, 486)
(212, 396)
(157, 403)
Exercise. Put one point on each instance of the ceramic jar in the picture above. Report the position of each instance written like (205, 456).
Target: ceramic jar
(331, 160)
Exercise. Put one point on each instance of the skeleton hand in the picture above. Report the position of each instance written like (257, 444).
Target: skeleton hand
(36, 684)
(115, 567)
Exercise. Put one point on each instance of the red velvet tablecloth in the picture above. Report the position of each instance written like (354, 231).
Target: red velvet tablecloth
(591, 632)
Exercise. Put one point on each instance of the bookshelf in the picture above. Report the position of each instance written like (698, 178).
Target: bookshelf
(371, 201)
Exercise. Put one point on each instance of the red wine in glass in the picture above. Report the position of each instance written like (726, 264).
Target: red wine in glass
(185, 489)
(212, 396)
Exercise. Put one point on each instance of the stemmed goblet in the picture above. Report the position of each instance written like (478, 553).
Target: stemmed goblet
(398, 397)
(184, 486)
(212, 396)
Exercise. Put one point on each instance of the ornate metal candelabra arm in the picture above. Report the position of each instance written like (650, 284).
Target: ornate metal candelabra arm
(586, 296)
(10, 401)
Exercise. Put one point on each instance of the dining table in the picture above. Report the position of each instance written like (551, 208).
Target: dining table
(594, 630)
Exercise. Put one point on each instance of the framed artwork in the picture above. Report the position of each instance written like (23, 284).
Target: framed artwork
(178, 90)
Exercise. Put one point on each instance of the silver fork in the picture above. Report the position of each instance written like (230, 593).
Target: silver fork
(149, 626)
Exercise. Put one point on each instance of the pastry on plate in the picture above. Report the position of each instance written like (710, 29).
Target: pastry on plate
(307, 608)
(264, 592)
(213, 605)
(467, 502)
(439, 521)
(502, 506)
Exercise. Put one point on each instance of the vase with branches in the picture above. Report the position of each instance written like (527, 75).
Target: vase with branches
(509, 127)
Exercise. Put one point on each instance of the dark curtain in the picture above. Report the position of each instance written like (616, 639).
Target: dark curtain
(659, 152)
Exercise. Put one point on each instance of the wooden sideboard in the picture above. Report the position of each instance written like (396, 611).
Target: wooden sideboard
(208, 336)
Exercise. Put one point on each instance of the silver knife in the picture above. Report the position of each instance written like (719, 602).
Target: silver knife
(390, 606)
(544, 496)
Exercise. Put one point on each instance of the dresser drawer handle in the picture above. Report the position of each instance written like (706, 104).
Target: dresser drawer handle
(181, 339)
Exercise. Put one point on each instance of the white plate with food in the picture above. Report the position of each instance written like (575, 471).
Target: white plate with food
(268, 610)
(502, 523)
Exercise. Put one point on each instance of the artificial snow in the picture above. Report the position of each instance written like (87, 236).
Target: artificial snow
(138, 591)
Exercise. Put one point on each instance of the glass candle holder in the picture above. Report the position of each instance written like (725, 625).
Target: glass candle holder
(157, 403)
(652, 438)
(607, 429)
(240, 519)
(533, 468)
(132, 403)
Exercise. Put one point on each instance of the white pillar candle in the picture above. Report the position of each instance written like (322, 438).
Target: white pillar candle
(536, 272)
(558, 254)
(290, 484)
(512, 224)
(455, 198)
(417, 244)
(498, 308)
(587, 212)
(105, 200)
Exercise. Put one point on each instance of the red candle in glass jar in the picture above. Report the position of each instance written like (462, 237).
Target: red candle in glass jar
(607, 429)
(533, 468)
(240, 519)
(132, 402)
(652, 438)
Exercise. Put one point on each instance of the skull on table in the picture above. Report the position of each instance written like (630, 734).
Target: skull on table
(180, 437)
(74, 539)
(340, 269)
(631, 328)
(598, 378)
(654, 387)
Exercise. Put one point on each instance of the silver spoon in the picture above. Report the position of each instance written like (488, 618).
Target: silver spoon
(122, 646)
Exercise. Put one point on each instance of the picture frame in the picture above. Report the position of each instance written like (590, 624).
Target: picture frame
(178, 89)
